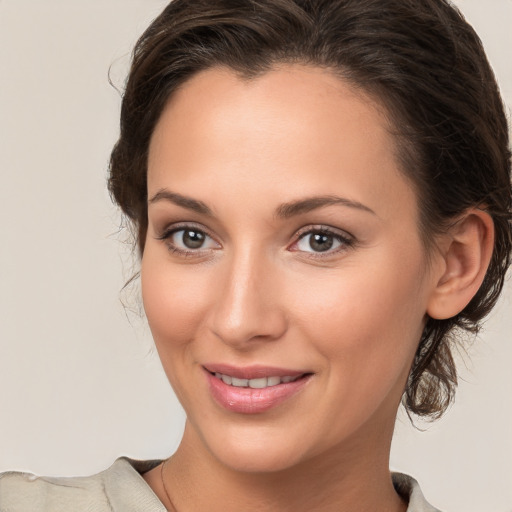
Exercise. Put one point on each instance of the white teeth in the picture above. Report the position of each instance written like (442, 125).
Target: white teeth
(239, 383)
(260, 383)
(273, 381)
(227, 379)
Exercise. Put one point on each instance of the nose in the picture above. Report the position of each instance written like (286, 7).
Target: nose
(248, 306)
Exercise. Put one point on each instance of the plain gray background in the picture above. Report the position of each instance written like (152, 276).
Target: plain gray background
(80, 383)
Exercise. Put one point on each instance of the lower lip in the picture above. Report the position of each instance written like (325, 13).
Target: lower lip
(253, 401)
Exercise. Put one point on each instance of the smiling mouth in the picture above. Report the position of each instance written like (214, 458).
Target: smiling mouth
(254, 389)
(258, 383)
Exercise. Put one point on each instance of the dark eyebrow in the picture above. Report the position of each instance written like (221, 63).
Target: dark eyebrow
(308, 204)
(283, 211)
(183, 201)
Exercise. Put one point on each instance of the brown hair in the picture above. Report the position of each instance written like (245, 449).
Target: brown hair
(419, 58)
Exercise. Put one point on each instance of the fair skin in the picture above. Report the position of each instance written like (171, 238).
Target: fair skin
(333, 291)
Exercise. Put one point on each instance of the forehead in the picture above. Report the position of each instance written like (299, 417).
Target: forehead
(295, 130)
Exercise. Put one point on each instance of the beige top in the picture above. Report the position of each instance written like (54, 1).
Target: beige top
(121, 488)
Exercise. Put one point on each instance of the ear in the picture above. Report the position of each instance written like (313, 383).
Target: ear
(466, 251)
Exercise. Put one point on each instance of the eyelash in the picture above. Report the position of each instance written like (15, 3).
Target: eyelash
(345, 241)
(168, 233)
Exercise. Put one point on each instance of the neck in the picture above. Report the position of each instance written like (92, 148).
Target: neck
(352, 477)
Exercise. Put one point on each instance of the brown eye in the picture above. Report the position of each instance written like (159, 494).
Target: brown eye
(318, 241)
(321, 242)
(188, 240)
(192, 239)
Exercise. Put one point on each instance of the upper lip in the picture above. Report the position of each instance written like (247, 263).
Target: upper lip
(253, 371)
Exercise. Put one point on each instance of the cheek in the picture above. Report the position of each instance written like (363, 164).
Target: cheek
(366, 318)
(175, 299)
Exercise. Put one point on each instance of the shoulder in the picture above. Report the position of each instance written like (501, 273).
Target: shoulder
(410, 490)
(118, 488)
(23, 492)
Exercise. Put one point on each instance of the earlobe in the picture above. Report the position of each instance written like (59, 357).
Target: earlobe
(465, 256)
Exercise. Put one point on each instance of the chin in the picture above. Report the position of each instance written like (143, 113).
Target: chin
(261, 460)
(256, 450)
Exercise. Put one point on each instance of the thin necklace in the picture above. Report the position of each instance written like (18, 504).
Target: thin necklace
(165, 488)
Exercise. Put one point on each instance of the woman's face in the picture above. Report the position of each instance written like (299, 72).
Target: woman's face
(283, 276)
